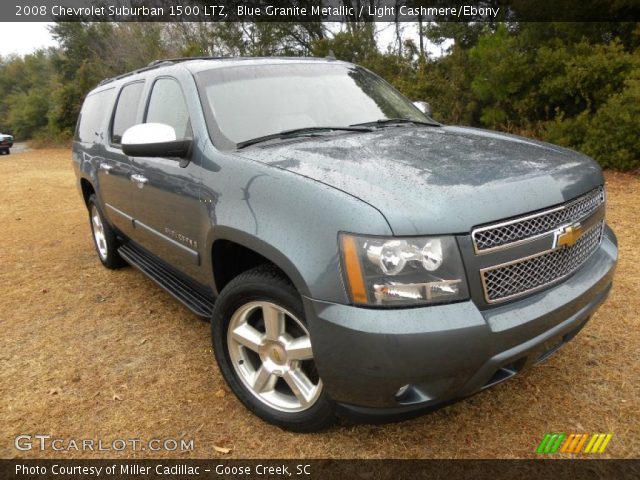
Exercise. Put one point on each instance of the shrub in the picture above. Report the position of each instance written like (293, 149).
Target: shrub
(613, 137)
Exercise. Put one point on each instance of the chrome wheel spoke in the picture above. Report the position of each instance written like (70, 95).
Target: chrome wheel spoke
(300, 385)
(274, 323)
(248, 337)
(264, 380)
(268, 362)
(299, 349)
(98, 233)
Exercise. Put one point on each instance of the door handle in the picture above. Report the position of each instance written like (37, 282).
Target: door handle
(139, 179)
(106, 167)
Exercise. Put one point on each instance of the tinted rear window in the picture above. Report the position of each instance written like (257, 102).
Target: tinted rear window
(126, 110)
(92, 115)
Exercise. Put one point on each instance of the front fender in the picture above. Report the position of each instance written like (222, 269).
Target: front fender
(289, 219)
(261, 247)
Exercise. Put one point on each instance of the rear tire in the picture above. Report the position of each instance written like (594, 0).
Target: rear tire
(263, 348)
(104, 237)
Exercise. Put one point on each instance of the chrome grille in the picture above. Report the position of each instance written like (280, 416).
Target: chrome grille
(526, 227)
(525, 275)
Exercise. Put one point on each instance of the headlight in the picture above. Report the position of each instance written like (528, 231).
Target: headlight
(402, 271)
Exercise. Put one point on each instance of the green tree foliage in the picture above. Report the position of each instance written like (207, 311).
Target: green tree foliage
(612, 134)
(575, 84)
(91, 52)
(558, 87)
(25, 84)
(501, 77)
(356, 44)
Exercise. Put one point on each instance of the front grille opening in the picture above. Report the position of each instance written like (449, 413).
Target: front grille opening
(505, 372)
(527, 275)
(523, 228)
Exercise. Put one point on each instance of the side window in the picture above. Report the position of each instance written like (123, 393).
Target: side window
(126, 110)
(167, 105)
(92, 116)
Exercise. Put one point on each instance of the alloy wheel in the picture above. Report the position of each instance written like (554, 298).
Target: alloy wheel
(270, 350)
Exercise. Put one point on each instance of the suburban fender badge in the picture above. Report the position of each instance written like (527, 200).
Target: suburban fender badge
(567, 236)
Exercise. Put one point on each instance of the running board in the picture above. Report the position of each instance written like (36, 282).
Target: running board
(192, 298)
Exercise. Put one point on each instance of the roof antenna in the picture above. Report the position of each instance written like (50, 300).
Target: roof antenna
(331, 55)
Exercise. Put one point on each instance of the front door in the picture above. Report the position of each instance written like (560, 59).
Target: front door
(168, 211)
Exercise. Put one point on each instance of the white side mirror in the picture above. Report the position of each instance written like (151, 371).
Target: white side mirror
(154, 140)
(144, 133)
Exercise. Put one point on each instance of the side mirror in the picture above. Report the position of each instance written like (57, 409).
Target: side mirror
(154, 140)
(424, 107)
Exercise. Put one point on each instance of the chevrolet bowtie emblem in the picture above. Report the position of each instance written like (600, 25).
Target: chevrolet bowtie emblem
(567, 236)
(276, 355)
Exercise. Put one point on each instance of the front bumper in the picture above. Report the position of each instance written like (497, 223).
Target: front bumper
(438, 354)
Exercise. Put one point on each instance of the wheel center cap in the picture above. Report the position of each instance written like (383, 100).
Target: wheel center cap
(277, 354)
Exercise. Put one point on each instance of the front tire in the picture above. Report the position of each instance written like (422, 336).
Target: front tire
(104, 237)
(262, 345)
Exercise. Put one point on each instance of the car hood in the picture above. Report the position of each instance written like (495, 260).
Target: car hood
(438, 180)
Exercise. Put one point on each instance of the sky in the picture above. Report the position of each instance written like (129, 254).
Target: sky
(23, 38)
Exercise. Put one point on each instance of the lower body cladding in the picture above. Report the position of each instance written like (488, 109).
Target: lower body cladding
(387, 363)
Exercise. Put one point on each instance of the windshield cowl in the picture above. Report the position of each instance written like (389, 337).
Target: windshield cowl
(393, 122)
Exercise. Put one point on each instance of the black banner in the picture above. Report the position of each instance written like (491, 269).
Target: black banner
(320, 469)
(320, 10)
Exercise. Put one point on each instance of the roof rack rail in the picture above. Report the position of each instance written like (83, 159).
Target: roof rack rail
(186, 59)
(151, 66)
(170, 61)
(156, 64)
(228, 57)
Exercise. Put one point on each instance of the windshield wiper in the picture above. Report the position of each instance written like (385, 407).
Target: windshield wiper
(295, 132)
(388, 121)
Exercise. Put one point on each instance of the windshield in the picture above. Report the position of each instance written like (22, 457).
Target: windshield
(247, 102)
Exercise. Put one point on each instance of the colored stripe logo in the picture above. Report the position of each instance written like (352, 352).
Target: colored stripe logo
(574, 443)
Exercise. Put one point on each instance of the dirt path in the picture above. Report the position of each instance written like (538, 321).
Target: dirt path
(92, 353)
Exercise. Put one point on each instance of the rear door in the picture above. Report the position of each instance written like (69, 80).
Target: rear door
(168, 210)
(88, 144)
(117, 168)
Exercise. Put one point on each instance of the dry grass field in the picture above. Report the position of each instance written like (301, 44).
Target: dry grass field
(91, 353)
